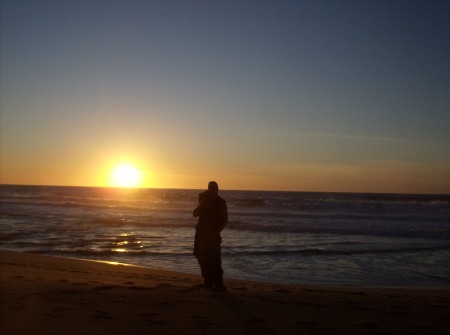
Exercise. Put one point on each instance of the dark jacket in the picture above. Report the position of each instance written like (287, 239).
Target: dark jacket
(213, 215)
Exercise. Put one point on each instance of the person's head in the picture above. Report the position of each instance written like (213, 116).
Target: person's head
(213, 188)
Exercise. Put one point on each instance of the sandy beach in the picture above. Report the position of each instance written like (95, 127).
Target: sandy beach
(50, 295)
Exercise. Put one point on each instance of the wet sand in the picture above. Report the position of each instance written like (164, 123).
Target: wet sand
(51, 295)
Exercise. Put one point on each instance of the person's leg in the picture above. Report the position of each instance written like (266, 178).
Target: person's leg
(216, 267)
(201, 253)
(204, 268)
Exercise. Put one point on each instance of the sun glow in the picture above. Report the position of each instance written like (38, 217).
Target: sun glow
(126, 175)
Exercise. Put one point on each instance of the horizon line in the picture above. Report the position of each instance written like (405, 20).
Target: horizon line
(228, 190)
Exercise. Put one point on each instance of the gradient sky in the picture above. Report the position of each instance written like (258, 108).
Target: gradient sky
(348, 96)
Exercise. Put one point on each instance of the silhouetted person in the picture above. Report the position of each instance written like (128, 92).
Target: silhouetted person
(213, 217)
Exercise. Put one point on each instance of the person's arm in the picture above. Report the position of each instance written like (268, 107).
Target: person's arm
(223, 215)
(202, 198)
(198, 210)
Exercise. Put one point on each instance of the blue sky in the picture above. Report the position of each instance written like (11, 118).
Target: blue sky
(288, 95)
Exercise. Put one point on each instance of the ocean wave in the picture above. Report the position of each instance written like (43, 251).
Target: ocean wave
(330, 252)
(248, 202)
(75, 204)
(241, 203)
(144, 222)
(438, 230)
(104, 253)
(128, 206)
(287, 199)
(228, 252)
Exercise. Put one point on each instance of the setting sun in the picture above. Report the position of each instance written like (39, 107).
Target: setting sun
(126, 175)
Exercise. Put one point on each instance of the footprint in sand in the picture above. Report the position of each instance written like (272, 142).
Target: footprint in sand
(149, 315)
(163, 285)
(105, 287)
(242, 288)
(348, 302)
(368, 326)
(59, 309)
(262, 298)
(308, 324)
(156, 322)
(141, 288)
(399, 313)
(102, 315)
(309, 304)
(57, 312)
(69, 291)
(203, 321)
(255, 321)
(186, 289)
(152, 318)
(283, 290)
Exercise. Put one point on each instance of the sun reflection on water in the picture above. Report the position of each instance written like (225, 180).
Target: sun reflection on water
(120, 250)
(126, 242)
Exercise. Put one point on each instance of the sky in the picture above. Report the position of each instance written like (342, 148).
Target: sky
(329, 96)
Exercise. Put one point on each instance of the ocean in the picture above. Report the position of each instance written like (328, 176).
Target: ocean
(280, 237)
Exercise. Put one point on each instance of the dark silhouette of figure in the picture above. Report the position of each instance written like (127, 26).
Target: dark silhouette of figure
(212, 218)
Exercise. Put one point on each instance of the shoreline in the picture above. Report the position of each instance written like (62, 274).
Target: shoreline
(231, 279)
(52, 295)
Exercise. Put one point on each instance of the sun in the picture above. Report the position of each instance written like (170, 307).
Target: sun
(126, 175)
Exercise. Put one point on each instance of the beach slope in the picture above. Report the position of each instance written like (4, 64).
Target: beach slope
(51, 295)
